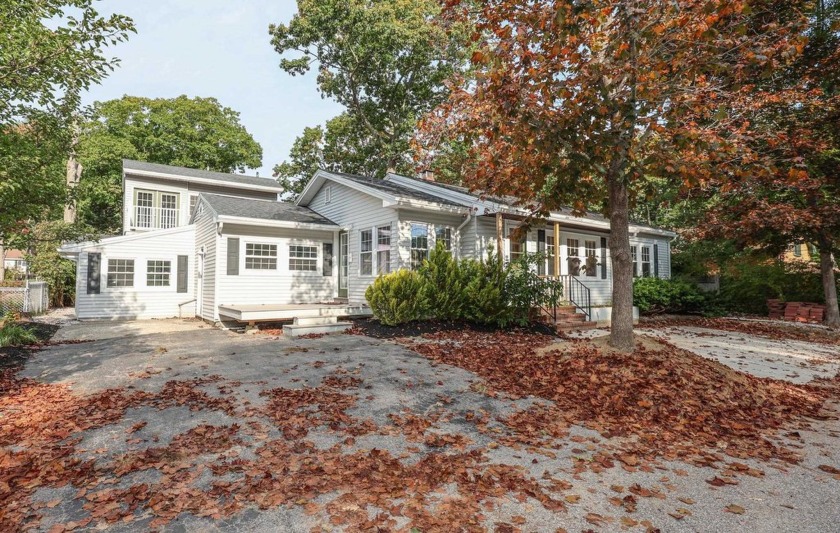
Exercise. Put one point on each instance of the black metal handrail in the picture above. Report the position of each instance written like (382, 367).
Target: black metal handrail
(578, 294)
(546, 294)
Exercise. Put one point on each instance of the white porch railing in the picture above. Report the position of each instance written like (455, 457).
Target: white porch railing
(155, 217)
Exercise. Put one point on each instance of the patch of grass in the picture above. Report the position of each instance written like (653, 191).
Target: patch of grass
(12, 334)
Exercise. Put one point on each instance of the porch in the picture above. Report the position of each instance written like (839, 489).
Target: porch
(252, 313)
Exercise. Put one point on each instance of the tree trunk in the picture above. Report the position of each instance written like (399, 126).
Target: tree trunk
(827, 266)
(621, 328)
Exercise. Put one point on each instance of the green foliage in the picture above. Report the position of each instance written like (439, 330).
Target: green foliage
(444, 285)
(398, 298)
(487, 301)
(385, 61)
(746, 285)
(42, 241)
(190, 132)
(14, 334)
(656, 295)
(47, 60)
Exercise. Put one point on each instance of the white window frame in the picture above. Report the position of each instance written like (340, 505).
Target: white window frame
(448, 240)
(382, 267)
(314, 260)
(108, 285)
(550, 250)
(634, 259)
(167, 274)
(246, 256)
(645, 250)
(411, 262)
(369, 253)
(587, 255)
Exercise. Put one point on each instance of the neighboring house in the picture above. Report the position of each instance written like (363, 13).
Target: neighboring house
(14, 260)
(800, 253)
(247, 258)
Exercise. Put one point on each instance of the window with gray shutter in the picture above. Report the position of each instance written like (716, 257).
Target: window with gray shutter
(183, 265)
(94, 273)
(233, 256)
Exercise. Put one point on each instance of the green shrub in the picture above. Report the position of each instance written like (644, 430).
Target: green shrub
(746, 285)
(444, 285)
(13, 334)
(655, 295)
(398, 298)
(486, 292)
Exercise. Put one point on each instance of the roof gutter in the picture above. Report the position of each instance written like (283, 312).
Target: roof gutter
(275, 223)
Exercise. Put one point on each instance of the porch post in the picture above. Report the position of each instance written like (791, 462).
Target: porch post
(500, 226)
(556, 248)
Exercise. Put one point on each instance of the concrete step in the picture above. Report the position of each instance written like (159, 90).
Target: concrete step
(572, 326)
(296, 330)
(315, 320)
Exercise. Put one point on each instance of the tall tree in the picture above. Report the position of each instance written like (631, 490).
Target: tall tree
(191, 132)
(50, 52)
(798, 200)
(385, 61)
(576, 101)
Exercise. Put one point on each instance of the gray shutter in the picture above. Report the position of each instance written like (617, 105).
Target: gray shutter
(94, 273)
(541, 250)
(232, 256)
(327, 259)
(655, 260)
(183, 266)
(603, 258)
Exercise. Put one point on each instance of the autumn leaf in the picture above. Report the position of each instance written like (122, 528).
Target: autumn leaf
(735, 509)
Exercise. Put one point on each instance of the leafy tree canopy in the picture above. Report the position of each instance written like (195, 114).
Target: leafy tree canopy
(385, 61)
(190, 132)
(51, 51)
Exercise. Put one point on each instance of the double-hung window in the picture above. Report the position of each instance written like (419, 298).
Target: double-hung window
(419, 250)
(120, 273)
(634, 255)
(158, 273)
(383, 249)
(573, 256)
(259, 256)
(366, 252)
(303, 258)
(591, 264)
(444, 234)
(549, 255)
(645, 261)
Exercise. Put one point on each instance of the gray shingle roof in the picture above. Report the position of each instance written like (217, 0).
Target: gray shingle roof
(511, 201)
(396, 189)
(263, 209)
(130, 164)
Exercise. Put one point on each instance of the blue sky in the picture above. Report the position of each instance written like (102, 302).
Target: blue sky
(217, 48)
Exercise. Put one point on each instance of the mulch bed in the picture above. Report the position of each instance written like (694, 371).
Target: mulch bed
(776, 330)
(371, 327)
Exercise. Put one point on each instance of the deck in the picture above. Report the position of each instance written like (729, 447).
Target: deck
(280, 312)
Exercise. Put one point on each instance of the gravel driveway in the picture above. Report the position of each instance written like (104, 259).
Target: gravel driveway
(411, 410)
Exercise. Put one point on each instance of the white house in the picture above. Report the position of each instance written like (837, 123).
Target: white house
(227, 249)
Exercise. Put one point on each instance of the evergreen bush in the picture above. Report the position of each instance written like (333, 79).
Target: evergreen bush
(444, 285)
(398, 298)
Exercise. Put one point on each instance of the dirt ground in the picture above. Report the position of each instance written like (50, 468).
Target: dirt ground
(393, 411)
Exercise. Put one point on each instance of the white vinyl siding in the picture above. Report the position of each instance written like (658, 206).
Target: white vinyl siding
(142, 300)
(183, 190)
(356, 211)
(207, 239)
(281, 285)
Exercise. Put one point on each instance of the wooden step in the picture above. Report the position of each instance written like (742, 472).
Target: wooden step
(573, 326)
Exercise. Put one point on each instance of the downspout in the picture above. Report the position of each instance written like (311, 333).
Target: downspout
(459, 228)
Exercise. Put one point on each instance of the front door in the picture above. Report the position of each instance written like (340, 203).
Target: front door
(343, 256)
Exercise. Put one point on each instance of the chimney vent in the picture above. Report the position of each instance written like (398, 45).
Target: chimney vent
(427, 175)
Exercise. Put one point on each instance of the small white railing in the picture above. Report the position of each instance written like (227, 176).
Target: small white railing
(155, 217)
